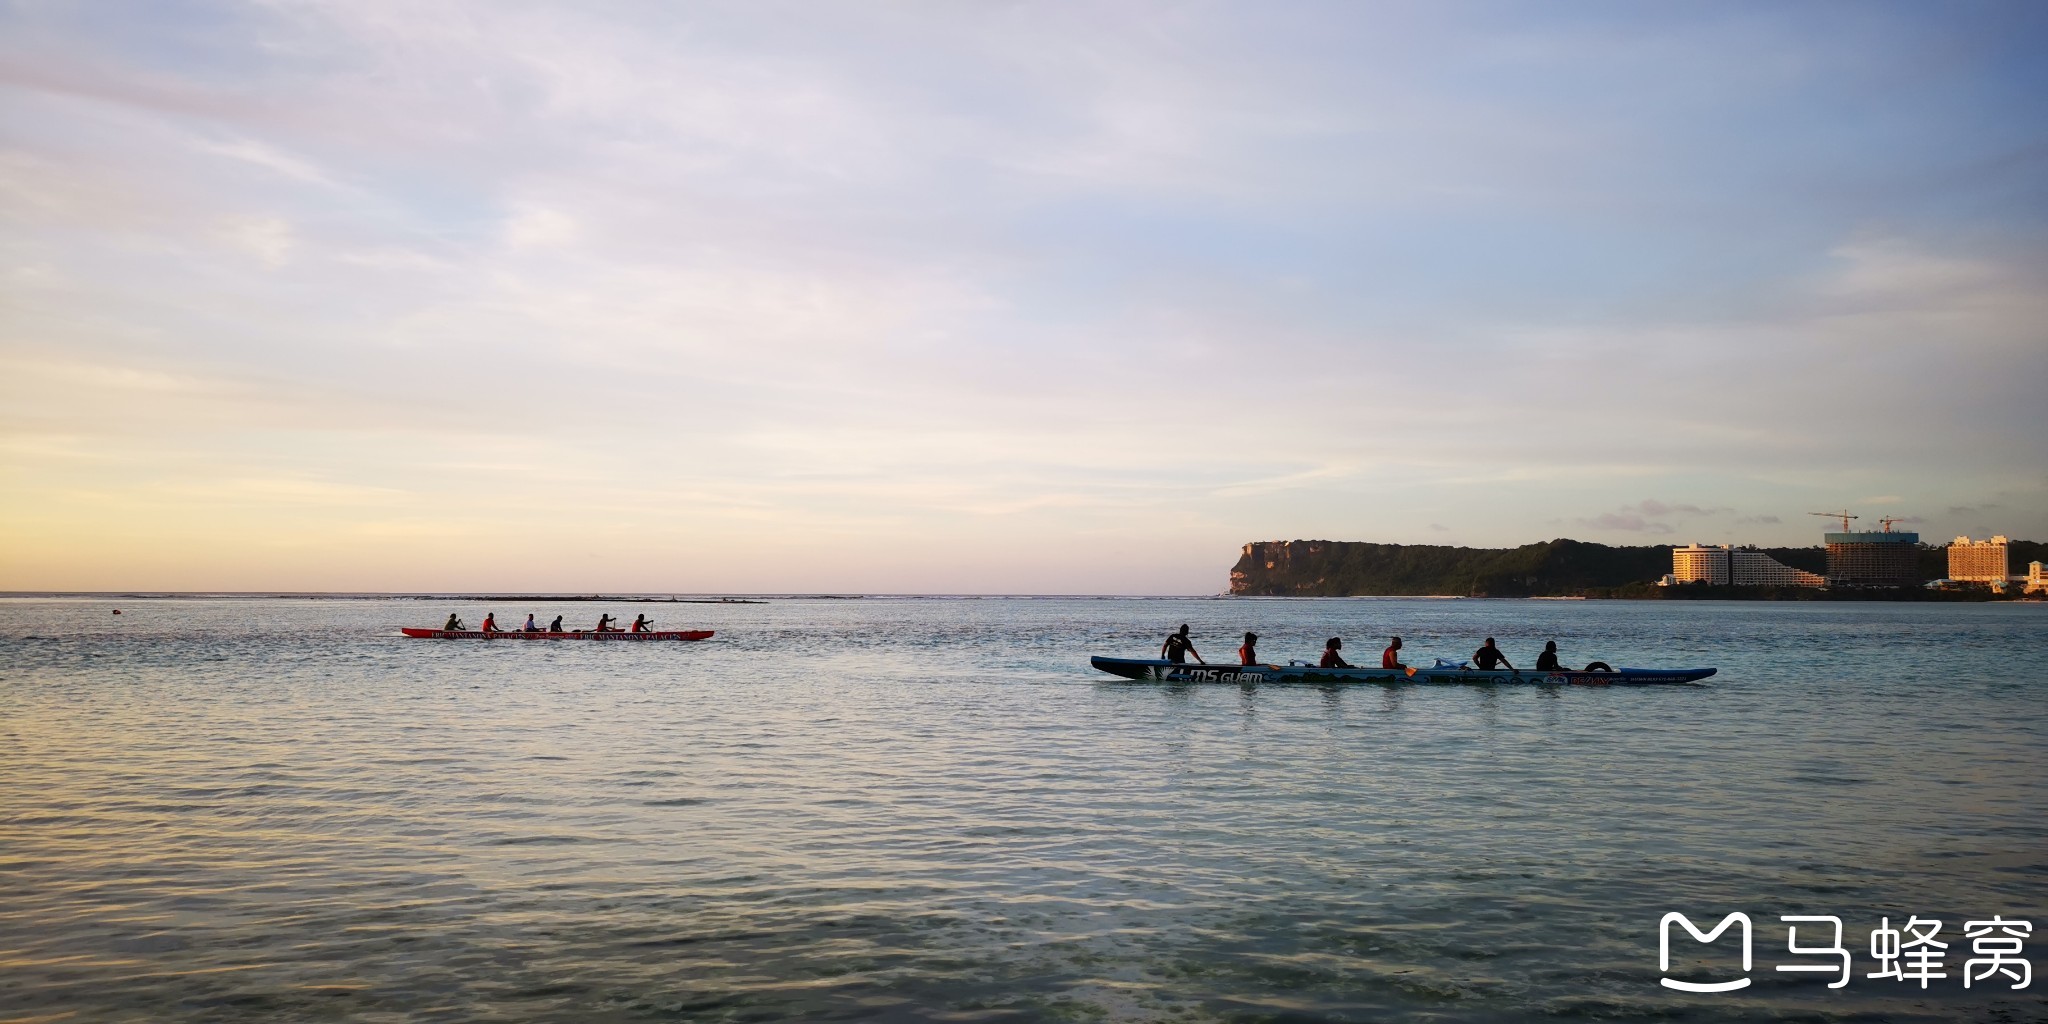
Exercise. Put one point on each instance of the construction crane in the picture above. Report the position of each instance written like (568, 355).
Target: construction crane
(1888, 521)
(1843, 515)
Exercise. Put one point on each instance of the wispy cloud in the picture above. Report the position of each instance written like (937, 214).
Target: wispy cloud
(1626, 523)
(269, 239)
(269, 158)
(1657, 509)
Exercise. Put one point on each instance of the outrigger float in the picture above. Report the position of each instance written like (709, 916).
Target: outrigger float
(478, 634)
(1155, 670)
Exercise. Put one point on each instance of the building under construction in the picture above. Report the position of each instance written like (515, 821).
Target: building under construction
(1873, 559)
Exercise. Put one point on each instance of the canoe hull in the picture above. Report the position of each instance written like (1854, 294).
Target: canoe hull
(477, 634)
(1153, 670)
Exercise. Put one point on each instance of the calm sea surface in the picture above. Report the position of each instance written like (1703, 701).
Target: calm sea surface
(932, 809)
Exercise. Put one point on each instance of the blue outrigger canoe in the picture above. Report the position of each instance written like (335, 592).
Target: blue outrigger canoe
(1155, 670)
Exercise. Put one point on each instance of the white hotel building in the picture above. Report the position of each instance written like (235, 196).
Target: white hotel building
(1724, 565)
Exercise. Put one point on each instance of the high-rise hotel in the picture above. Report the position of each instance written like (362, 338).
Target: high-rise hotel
(1979, 561)
(1724, 565)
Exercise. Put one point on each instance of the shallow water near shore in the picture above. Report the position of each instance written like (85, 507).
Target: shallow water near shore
(932, 809)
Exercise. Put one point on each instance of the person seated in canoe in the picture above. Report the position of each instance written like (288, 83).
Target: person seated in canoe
(1249, 653)
(1489, 657)
(1177, 647)
(531, 626)
(555, 626)
(454, 623)
(1331, 659)
(1391, 657)
(641, 625)
(1547, 661)
(490, 623)
(604, 625)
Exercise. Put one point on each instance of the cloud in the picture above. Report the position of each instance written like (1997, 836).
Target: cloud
(1647, 516)
(1657, 509)
(900, 282)
(1626, 523)
(539, 227)
(269, 239)
(1758, 521)
(1895, 273)
(269, 158)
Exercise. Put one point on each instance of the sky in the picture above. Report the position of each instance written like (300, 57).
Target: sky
(1001, 297)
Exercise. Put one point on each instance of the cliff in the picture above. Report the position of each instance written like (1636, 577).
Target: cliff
(1557, 568)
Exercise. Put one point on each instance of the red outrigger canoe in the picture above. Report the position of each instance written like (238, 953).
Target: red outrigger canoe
(478, 634)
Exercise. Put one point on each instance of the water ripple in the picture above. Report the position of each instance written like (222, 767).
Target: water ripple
(931, 810)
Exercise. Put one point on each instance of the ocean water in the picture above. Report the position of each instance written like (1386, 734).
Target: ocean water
(932, 809)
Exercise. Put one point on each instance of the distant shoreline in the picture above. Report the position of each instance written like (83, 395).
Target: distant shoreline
(1558, 568)
(565, 598)
(1690, 594)
(764, 598)
(313, 595)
